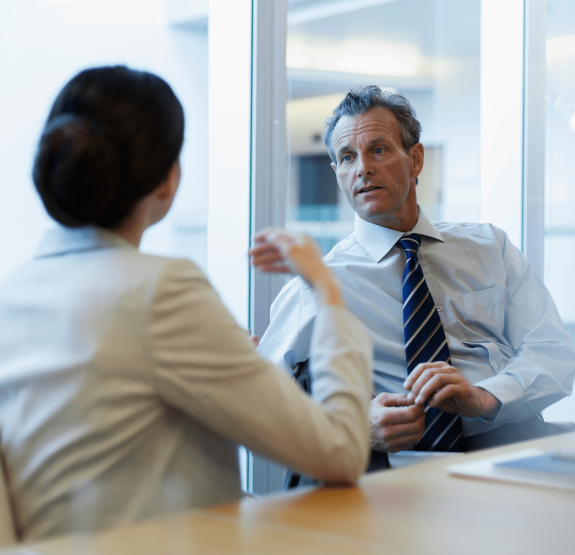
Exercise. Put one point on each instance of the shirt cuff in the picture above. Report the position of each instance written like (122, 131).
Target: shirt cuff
(509, 392)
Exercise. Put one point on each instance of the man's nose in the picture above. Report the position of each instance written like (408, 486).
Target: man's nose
(364, 166)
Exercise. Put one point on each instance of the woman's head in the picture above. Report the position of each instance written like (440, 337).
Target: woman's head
(111, 138)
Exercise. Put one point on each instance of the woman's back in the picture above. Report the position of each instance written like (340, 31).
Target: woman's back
(87, 438)
(125, 384)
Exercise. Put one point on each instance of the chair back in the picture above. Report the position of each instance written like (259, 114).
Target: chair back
(7, 528)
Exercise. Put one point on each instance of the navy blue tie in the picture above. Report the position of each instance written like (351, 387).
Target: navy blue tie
(425, 341)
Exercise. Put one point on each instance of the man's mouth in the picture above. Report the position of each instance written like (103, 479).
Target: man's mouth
(368, 189)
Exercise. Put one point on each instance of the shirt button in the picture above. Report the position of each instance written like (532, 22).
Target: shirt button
(438, 307)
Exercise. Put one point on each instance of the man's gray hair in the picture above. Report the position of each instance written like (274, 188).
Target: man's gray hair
(360, 101)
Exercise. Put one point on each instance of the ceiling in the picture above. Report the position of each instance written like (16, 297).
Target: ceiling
(335, 44)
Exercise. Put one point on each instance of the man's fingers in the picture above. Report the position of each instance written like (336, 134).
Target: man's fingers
(395, 426)
(427, 374)
(390, 416)
(393, 400)
(398, 437)
(444, 394)
(435, 383)
(401, 431)
(420, 369)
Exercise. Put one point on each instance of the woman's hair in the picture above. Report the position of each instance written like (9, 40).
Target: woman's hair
(111, 138)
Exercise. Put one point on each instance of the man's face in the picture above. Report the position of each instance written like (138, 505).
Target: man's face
(374, 171)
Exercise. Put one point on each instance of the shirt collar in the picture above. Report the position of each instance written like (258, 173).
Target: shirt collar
(62, 240)
(378, 240)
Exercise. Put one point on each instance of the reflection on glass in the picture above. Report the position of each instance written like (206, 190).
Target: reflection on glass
(560, 145)
(559, 190)
(426, 50)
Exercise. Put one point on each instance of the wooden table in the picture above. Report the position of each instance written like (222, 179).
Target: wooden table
(415, 510)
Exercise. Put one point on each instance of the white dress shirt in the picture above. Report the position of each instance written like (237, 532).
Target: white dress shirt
(125, 385)
(503, 329)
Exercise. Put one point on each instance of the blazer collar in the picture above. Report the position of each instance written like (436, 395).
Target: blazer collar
(62, 240)
(378, 240)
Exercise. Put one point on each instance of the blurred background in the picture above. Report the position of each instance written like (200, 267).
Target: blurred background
(426, 50)
(431, 52)
(475, 71)
(43, 44)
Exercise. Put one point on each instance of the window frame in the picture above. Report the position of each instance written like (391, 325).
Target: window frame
(256, 189)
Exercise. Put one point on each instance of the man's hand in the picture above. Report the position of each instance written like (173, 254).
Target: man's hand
(395, 422)
(444, 387)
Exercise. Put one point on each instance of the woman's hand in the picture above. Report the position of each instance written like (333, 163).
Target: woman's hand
(281, 251)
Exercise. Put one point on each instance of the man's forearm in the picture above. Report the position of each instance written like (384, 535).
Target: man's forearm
(491, 403)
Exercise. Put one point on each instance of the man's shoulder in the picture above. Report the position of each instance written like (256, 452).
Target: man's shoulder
(344, 250)
(476, 233)
(293, 293)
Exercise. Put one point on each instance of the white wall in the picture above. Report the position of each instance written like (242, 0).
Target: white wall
(43, 43)
(502, 115)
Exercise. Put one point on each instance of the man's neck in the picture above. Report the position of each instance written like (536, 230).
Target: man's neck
(398, 223)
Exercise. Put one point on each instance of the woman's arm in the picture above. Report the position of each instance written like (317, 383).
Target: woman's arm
(206, 366)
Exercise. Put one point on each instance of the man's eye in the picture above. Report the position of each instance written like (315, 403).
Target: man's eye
(346, 158)
(379, 150)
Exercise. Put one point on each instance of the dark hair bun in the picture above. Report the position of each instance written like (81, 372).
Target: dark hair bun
(111, 138)
(77, 170)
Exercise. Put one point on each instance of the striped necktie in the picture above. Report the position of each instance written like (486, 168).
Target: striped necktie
(425, 341)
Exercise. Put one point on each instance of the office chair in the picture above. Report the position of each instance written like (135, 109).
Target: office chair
(7, 528)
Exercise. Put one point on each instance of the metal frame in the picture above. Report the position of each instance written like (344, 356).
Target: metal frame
(533, 244)
(229, 160)
(248, 181)
(269, 143)
(268, 176)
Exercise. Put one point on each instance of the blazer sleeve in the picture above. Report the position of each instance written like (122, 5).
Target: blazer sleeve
(205, 365)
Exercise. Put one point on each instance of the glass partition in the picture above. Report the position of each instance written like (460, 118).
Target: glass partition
(467, 68)
(559, 191)
(426, 50)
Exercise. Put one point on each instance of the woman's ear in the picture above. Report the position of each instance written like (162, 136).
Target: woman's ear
(168, 188)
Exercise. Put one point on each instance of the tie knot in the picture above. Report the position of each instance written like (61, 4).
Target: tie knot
(410, 244)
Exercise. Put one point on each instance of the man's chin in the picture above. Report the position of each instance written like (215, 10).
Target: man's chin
(373, 213)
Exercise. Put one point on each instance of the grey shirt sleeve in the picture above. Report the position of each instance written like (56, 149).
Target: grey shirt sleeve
(543, 368)
(287, 339)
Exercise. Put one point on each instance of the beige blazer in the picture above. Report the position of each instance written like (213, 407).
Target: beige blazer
(125, 386)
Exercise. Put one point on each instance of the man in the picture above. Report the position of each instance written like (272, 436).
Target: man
(468, 344)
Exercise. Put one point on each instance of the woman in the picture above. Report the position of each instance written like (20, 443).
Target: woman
(125, 383)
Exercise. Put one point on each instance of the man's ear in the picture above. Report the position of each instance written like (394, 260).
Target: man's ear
(416, 156)
(334, 168)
